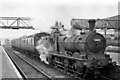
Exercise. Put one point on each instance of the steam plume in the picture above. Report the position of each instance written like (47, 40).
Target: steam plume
(44, 47)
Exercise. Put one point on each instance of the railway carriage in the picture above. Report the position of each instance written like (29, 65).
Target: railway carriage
(28, 43)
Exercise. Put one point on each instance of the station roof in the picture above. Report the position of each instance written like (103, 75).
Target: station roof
(109, 23)
(114, 22)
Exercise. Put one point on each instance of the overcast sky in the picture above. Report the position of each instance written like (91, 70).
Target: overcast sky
(44, 13)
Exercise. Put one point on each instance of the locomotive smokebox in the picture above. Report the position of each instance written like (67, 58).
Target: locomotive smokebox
(91, 25)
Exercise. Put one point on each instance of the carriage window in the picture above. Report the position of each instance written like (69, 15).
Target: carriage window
(31, 40)
(23, 41)
(27, 40)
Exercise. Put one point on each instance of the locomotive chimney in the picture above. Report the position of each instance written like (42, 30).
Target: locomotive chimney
(91, 25)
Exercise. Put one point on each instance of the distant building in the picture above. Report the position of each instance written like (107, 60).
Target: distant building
(109, 22)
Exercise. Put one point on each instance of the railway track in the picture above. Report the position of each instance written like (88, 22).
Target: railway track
(26, 69)
(99, 77)
(36, 72)
(42, 70)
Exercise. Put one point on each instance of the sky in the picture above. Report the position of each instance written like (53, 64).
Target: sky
(44, 13)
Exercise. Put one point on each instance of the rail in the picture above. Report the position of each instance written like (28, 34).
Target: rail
(22, 73)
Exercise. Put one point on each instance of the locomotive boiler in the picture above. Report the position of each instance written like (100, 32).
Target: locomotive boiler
(91, 42)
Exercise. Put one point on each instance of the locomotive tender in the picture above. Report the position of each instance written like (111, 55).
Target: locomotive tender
(82, 55)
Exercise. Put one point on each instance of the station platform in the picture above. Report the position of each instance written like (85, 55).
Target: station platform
(7, 69)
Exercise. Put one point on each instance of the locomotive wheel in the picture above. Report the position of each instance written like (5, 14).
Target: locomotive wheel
(78, 71)
(66, 64)
(54, 63)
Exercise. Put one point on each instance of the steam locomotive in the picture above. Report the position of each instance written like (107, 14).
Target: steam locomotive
(82, 55)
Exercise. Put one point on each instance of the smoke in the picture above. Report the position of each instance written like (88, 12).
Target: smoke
(44, 47)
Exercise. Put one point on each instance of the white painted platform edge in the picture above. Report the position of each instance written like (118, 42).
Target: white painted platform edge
(15, 69)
